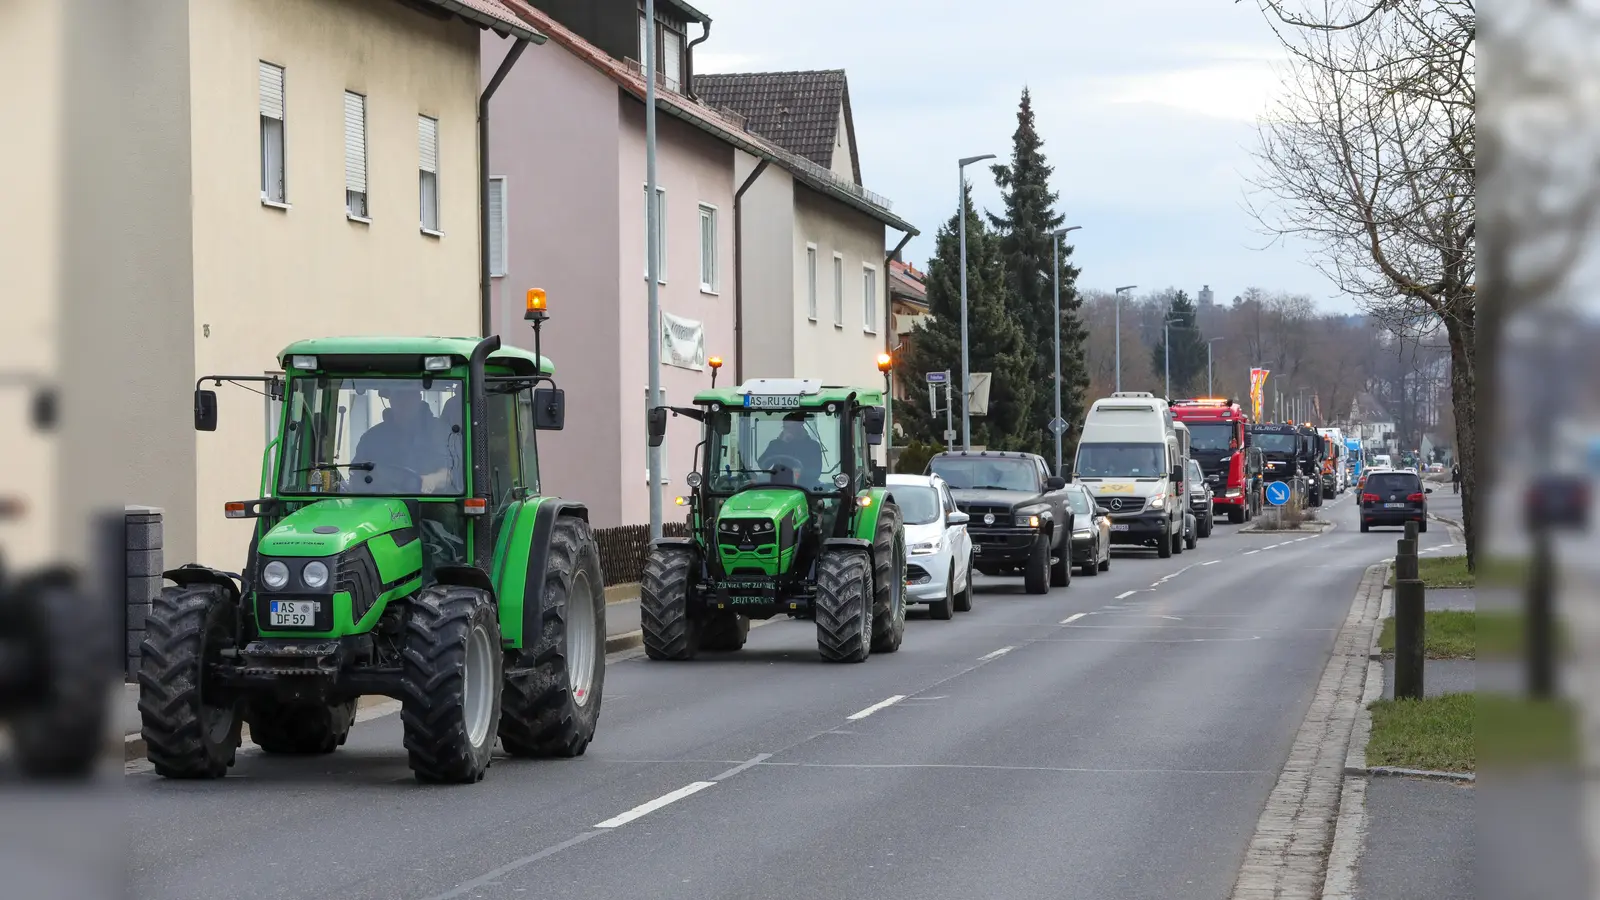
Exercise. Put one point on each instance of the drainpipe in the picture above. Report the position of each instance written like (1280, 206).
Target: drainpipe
(485, 311)
(738, 271)
(688, 76)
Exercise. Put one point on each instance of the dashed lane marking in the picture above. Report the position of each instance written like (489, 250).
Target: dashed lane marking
(996, 654)
(881, 704)
(1073, 618)
(645, 809)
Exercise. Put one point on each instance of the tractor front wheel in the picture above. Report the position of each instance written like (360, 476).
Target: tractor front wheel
(844, 606)
(669, 632)
(452, 664)
(888, 581)
(552, 698)
(189, 730)
(62, 735)
(298, 728)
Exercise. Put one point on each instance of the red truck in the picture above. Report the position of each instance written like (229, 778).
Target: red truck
(1219, 441)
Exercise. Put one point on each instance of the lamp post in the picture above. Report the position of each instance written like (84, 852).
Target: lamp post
(1055, 242)
(652, 263)
(966, 367)
(1211, 388)
(1118, 340)
(1166, 340)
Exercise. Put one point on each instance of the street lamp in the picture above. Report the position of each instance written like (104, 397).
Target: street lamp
(1211, 388)
(966, 368)
(653, 460)
(1119, 333)
(1055, 242)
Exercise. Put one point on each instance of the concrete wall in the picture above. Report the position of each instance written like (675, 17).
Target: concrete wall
(264, 276)
(774, 278)
(553, 135)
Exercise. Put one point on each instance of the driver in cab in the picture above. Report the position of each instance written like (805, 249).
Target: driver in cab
(795, 445)
(409, 444)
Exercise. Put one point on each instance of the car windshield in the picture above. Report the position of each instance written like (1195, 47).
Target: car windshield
(1276, 442)
(1210, 436)
(1120, 461)
(798, 447)
(973, 473)
(1079, 501)
(919, 505)
(384, 436)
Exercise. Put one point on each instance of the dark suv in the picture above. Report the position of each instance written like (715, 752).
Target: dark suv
(1394, 498)
(1019, 515)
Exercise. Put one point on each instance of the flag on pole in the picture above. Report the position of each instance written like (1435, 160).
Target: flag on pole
(1258, 383)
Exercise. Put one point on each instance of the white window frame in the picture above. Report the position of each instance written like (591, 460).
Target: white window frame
(869, 298)
(838, 290)
(273, 103)
(499, 227)
(661, 232)
(708, 250)
(356, 196)
(427, 166)
(811, 282)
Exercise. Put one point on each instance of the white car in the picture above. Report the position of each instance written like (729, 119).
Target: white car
(938, 548)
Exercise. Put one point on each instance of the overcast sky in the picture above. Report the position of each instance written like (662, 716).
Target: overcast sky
(1147, 109)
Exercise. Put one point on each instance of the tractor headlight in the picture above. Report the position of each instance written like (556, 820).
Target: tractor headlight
(927, 548)
(693, 480)
(1027, 521)
(841, 481)
(275, 575)
(315, 574)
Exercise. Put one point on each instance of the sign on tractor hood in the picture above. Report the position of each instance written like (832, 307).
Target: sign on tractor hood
(683, 342)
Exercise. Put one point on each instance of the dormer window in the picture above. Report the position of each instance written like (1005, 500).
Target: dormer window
(669, 37)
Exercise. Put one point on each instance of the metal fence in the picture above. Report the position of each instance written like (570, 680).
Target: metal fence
(623, 549)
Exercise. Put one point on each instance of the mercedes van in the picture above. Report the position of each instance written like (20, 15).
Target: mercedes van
(1130, 459)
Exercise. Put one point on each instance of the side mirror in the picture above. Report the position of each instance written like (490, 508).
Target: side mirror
(549, 409)
(958, 518)
(1101, 511)
(657, 424)
(205, 410)
(1177, 474)
(1427, 490)
(44, 410)
(872, 417)
(1054, 483)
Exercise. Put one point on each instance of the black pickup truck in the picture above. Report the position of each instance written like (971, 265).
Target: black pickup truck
(1019, 514)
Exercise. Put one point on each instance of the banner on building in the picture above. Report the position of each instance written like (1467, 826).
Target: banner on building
(683, 342)
(1258, 384)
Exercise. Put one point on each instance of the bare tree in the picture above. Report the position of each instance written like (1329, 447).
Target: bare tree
(1370, 155)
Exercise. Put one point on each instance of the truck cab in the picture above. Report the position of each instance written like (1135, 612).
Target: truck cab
(1219, 441)
(1131, 460)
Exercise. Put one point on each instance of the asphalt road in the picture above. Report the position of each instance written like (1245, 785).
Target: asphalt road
(1114, 739)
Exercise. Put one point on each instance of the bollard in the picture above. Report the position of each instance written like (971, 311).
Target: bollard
(1408, 639)
(1411, 532)
(1405, 560)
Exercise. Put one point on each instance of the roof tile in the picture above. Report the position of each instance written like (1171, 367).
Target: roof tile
(799, 111)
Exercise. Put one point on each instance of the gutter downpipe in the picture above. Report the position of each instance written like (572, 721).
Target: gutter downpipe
(485, 303)
(688, 56)
(738, 270)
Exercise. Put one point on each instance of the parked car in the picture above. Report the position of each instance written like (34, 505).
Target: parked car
(1018, 510)
(1091, 533)
(1201, 498)
(938, 548)
(1394, 498)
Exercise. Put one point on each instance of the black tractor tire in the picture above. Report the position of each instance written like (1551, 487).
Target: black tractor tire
(1236, 514)
(1164, 546)
(62, 733)
(186, 734)
(724, 634)
(451, 631)
(1036, 575)
(669, 632)
(963, 601)
(844, 606)
(888, 581)
(1061, 569)
(547, 710)
(945, 610)
(298, 728)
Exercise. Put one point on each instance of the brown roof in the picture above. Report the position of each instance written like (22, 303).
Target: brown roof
(799, 111)
(495, 15)
(906, 282)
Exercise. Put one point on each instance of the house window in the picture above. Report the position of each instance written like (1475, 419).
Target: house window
(498, 247)
(355, 155)
(661, 234)
(274, 185)
(708, 248)
(869, 299)
(838, 291)
(671, 61)
(428, 173)
(811, 282)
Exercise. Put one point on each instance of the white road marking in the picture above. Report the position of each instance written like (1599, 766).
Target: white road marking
(1073, 618)
(995, 654)
(645, 809)
(1251, 552)
(1125, 595)
(1211, 563)
(881, 704)
(742, 766)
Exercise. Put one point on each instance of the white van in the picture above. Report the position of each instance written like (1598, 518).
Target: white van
(1130, 459)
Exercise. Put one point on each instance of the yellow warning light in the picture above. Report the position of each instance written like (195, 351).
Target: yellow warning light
(885, 362)
(537, 305)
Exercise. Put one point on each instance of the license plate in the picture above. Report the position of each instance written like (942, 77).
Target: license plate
(977, 549)
(771, 401)
(1123, 527)
(1394, 506)
(294, 613)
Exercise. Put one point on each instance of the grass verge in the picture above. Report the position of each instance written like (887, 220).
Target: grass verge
(1434, 733)
(1446, 634)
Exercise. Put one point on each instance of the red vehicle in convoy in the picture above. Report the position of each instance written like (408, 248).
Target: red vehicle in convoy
(1219, 441)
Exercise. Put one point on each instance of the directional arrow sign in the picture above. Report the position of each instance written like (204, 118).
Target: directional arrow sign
(1277, 492)
(1059, 426)
(938, 377)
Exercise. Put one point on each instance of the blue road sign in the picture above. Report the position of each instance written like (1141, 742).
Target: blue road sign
(1277, 492)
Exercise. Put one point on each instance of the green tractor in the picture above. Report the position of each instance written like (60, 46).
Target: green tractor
(402, 547)
(787, 516)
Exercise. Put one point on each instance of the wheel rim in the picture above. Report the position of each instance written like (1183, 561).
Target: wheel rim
(581, 630)
(477, 693)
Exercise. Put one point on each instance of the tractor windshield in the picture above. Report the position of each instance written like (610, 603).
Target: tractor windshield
(750, 448)
(383, 436)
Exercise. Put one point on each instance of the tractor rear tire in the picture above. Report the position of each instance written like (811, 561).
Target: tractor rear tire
(963, 601)
(844, 606)
(1036, 574)
(298, 728)
(186, 735)
(63, 735)
(452, 662)
(888, 581)
(551, 704)
(669, 632)
(724, 634)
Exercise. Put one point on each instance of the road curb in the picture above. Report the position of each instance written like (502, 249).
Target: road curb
(1291, 850)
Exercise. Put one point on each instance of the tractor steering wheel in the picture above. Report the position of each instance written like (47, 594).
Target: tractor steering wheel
(778, 460)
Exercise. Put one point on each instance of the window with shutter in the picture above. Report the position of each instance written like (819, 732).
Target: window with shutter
(498, 246)
(838, 290)
(274, 181)
(811, 282)
(671, 59)
(708, 248)
(355, 155)
(428, 172)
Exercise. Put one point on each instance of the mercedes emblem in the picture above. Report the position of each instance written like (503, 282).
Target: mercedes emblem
(988, 518)
(1116, 503)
